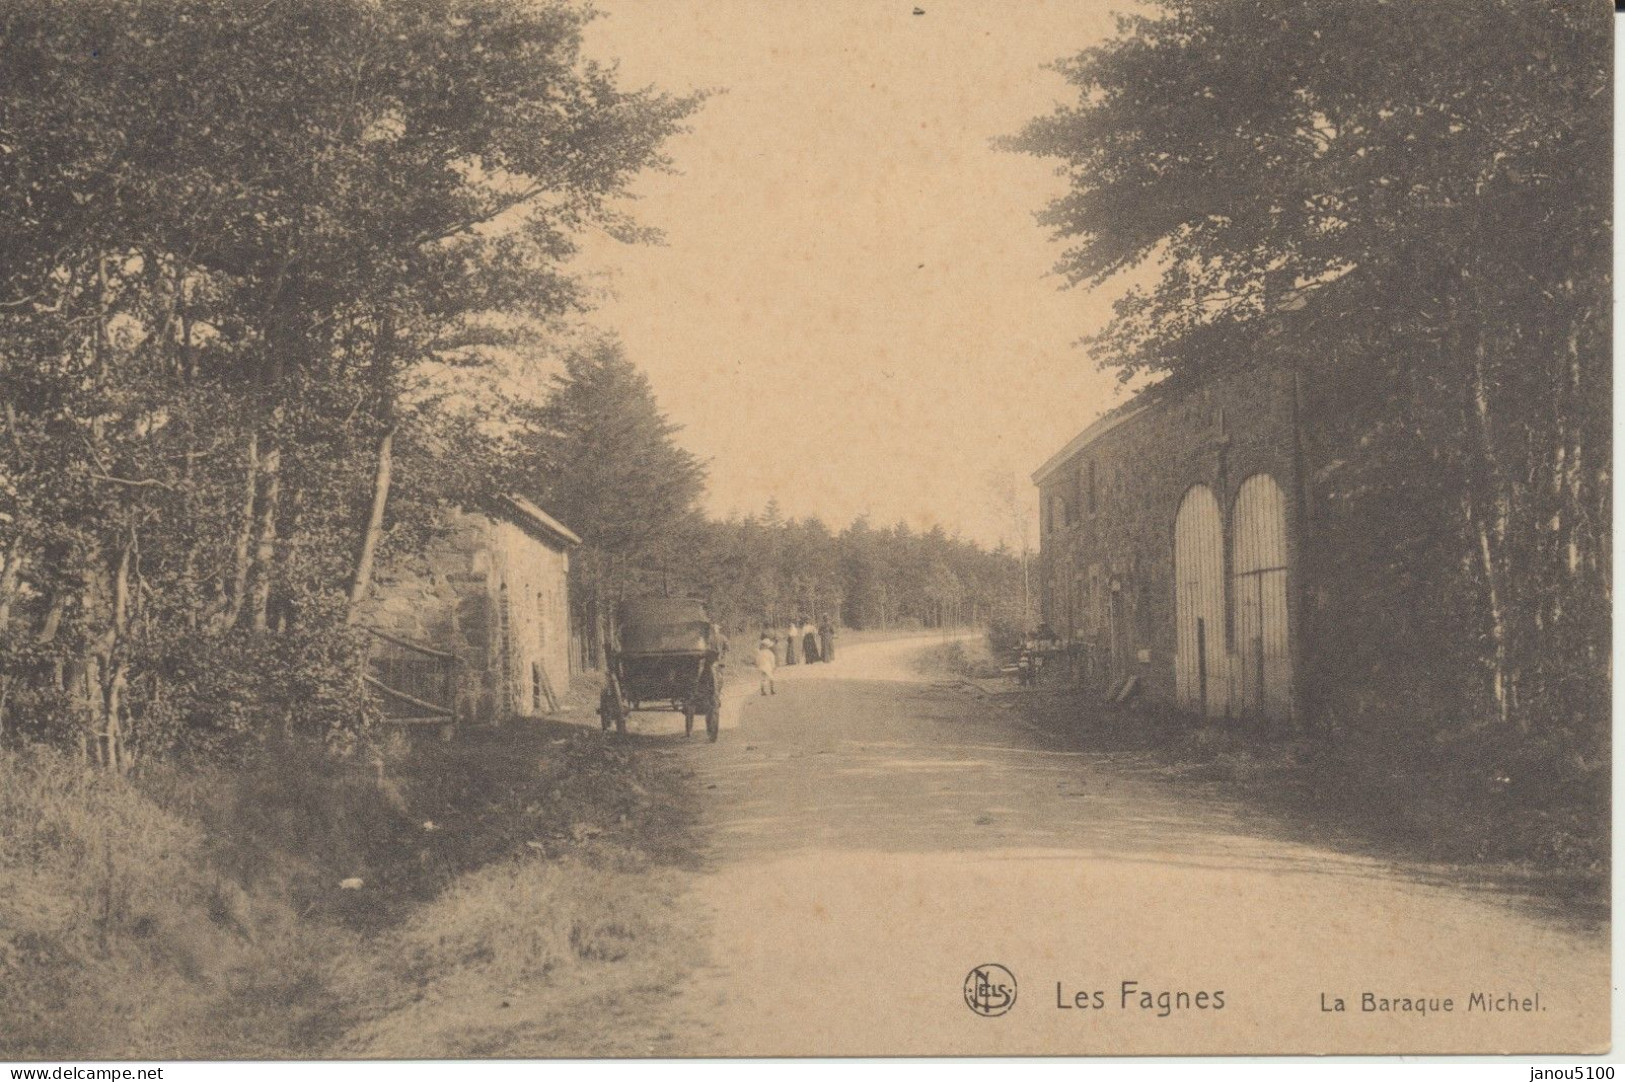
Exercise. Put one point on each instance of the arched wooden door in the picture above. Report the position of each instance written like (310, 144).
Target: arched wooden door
(1200, 679)
(1263, 651)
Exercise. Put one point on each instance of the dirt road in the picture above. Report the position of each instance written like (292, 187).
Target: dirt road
(877, 835)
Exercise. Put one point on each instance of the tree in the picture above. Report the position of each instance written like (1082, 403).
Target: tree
(1002, 486)
(233, 233)
(1409, 206)
(601, 456)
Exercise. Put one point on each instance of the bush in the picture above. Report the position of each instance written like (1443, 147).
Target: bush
(193, 695)
(222, 696)
(199, 911)
(1005, 632)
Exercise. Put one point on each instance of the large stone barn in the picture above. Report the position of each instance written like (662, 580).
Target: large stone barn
(1170, 548)
(480, 619)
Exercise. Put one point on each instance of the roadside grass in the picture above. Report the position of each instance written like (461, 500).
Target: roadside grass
(524, 957)
(119, 938)
(82, 905)
(1527, 813)
(265, 911)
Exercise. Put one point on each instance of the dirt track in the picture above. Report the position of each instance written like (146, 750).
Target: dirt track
(875, 835)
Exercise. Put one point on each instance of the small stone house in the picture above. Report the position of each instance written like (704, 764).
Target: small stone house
(492, 589)
(1170, 555)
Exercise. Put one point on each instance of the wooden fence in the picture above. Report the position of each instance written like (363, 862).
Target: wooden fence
(415, 684)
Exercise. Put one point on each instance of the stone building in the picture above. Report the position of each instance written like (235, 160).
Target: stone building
(492, 589)
(1170, 548)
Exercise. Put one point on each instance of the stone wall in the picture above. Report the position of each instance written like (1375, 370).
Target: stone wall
(495, 595)
(529, 583)
(1106, 562)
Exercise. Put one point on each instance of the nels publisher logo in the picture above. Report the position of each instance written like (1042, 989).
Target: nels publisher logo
(990, 990)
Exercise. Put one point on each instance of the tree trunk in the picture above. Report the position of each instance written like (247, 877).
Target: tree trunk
(1489, 476)
(265, 545)
(14, 556)
(84, 683)
(101, 345)
(118, 758)
(53, 616)
(375, 527)
(188, 356)
(114, 666)
(8, 581)
(237, 594)
(382, 373)
(1488, 565)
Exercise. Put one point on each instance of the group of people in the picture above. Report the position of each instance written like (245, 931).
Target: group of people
(1035, 647)
(804, 643)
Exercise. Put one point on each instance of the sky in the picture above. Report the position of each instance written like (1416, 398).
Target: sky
(854, 311)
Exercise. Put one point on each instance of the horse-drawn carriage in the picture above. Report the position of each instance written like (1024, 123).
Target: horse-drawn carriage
(666, 654)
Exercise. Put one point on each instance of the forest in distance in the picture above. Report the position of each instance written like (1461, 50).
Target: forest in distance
(601, 456)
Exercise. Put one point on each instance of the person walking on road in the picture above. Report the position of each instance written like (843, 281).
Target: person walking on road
(767, 660)
(826, 639)
(790, 644)
(809, 641)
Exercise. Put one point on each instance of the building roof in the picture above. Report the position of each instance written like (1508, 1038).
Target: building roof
(1121, 415)
(528, 515)
(1172, 385)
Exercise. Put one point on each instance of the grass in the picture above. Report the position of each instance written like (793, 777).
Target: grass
(275, 910)
(519, 959)
(118, 935)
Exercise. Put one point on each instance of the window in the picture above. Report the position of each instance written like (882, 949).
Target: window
(535, 688)
(1057, 513)
(1094, 496)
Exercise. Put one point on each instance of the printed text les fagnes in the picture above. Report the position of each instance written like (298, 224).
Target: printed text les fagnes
(1131, 996)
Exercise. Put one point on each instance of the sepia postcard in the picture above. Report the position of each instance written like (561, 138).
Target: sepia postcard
(772, 528)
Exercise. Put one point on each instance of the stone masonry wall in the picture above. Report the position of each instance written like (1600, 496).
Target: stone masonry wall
(451, 597)
(530, 580)
(1219, 436)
